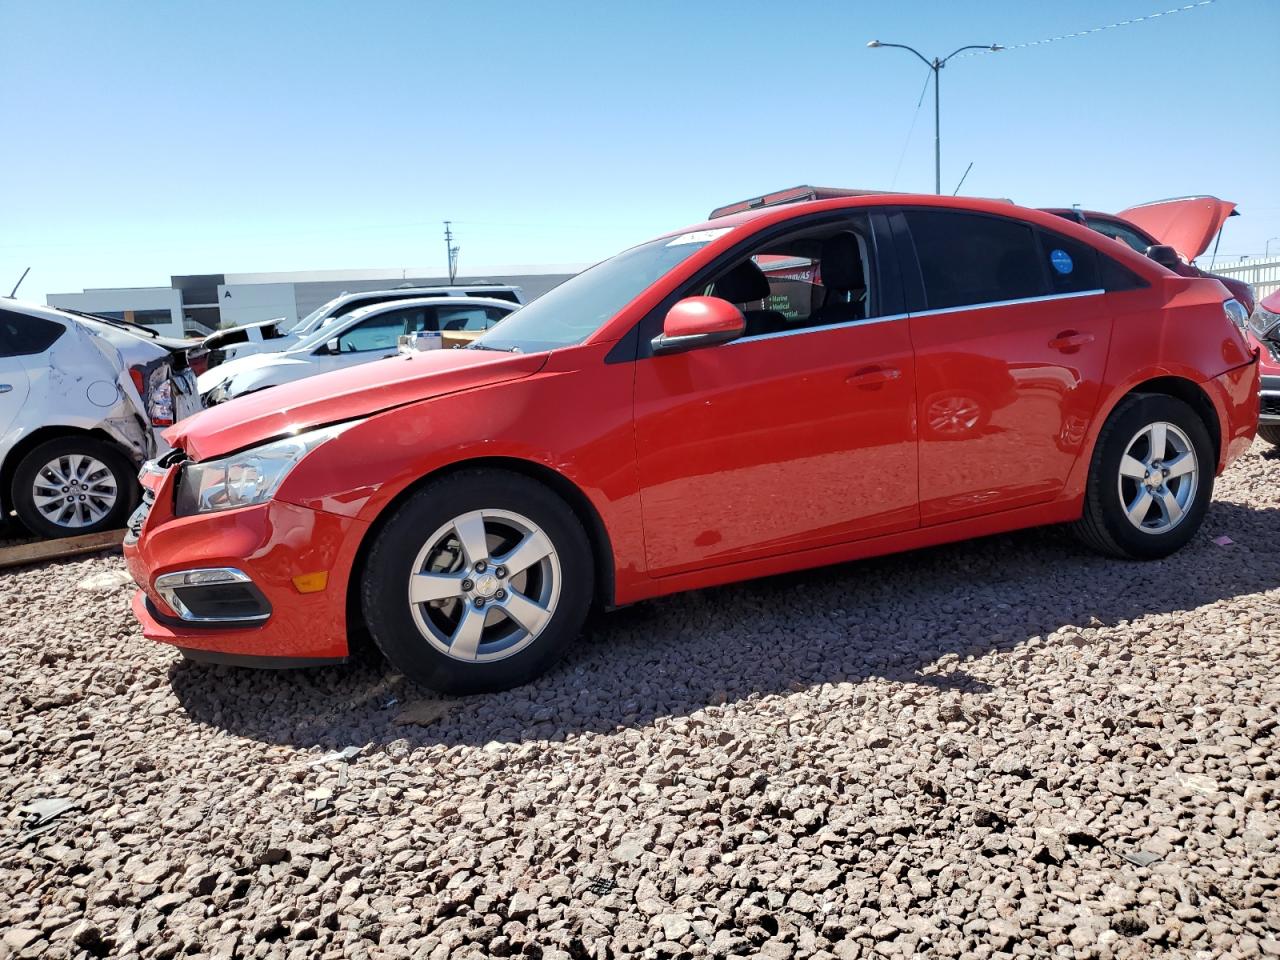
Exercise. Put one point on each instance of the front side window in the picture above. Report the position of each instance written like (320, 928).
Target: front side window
(968, 259)
(468, 318)
(25, 336)
(811, 278)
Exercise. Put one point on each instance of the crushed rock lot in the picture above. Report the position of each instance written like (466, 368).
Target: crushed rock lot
(1009, 746)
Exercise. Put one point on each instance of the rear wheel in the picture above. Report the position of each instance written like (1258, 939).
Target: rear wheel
(480, 581)
(72, 486)
(1271, 434)
(1150, 481)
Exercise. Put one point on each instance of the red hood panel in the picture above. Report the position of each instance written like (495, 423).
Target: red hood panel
(344, 395)
(1187, 224)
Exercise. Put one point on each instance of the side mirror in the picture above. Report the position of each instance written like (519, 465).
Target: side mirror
(332, 347)
(1164, 255)
(699, 322)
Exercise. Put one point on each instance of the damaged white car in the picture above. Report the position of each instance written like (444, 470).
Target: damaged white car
(81, 402)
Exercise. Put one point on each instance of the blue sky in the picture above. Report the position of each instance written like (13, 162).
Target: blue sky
(149, 139)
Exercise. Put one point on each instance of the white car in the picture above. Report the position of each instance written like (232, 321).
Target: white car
(369, 333)
(268, 336)
(81, 402)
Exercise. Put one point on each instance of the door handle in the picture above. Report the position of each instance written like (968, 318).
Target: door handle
(873, 376)
(5, 387)
(1069, 341)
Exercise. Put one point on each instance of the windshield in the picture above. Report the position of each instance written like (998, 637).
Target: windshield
(578, 307)
(302, 327)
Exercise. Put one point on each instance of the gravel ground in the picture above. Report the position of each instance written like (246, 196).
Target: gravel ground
(1003, 747)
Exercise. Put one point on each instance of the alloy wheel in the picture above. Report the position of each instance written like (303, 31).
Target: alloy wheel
(74, 490)
(954, 415)
(484, 585)
(1158, 477)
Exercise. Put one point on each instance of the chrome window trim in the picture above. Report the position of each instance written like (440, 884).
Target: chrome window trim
(167, 589)
(919, 313)
(1007, 303)
(820, 328)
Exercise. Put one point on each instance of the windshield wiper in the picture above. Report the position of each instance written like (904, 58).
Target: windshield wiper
(485, 346)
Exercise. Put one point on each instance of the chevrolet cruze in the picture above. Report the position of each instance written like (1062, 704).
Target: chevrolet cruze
(769, 391)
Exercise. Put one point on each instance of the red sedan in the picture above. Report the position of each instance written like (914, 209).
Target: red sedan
(673, 418)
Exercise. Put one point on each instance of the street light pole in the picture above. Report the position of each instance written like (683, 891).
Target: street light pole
(936, 65)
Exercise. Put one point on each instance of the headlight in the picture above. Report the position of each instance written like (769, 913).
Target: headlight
(1262, 321)
(249, 477)
(1236, 313)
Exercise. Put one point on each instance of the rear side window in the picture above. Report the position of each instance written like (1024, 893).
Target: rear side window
(1072, 266)
(463, 318)
(24, 336)
(968, 259)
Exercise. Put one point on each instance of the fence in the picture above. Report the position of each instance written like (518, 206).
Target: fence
(1262, 272)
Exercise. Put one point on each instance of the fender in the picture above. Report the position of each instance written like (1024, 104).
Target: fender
(572, 418)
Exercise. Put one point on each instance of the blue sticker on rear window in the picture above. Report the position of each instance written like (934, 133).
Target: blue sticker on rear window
(1061, 261)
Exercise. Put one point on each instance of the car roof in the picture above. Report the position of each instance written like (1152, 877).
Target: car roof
(435, 288)
(435, 301)
(780, 213)
(39, 310)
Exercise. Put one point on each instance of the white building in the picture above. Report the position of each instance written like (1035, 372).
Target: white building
(198, 304)
(158, 307)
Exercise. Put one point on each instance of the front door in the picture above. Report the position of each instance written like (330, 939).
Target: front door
(799, 435)
(1009, 359)
(374, 337)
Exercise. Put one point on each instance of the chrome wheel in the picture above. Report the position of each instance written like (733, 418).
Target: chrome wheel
(1158, 477)
(954, 415)
(484, 586)
(74, 490)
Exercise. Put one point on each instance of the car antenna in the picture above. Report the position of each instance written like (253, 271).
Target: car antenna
(19, 283)
(962, 179)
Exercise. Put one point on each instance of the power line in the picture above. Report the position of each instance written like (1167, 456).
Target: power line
(1090, 32)
(910, 130)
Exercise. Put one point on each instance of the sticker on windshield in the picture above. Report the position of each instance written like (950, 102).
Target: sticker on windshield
(1061, 261)
(698, 236)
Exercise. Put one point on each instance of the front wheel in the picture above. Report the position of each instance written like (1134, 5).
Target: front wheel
(480, 581)
(1150, 481)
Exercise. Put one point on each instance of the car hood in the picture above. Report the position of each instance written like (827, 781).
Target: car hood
(342, 395)
(1187, 224)
(256, 361)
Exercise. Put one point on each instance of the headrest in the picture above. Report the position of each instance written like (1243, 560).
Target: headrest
(842, 263)
(743, 284)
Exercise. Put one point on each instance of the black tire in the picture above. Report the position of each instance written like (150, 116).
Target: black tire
(122, 469)
(1104, 525)
(1271, 434)
(384, 588)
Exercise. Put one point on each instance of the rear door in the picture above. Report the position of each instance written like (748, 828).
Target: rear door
(1011, 346)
